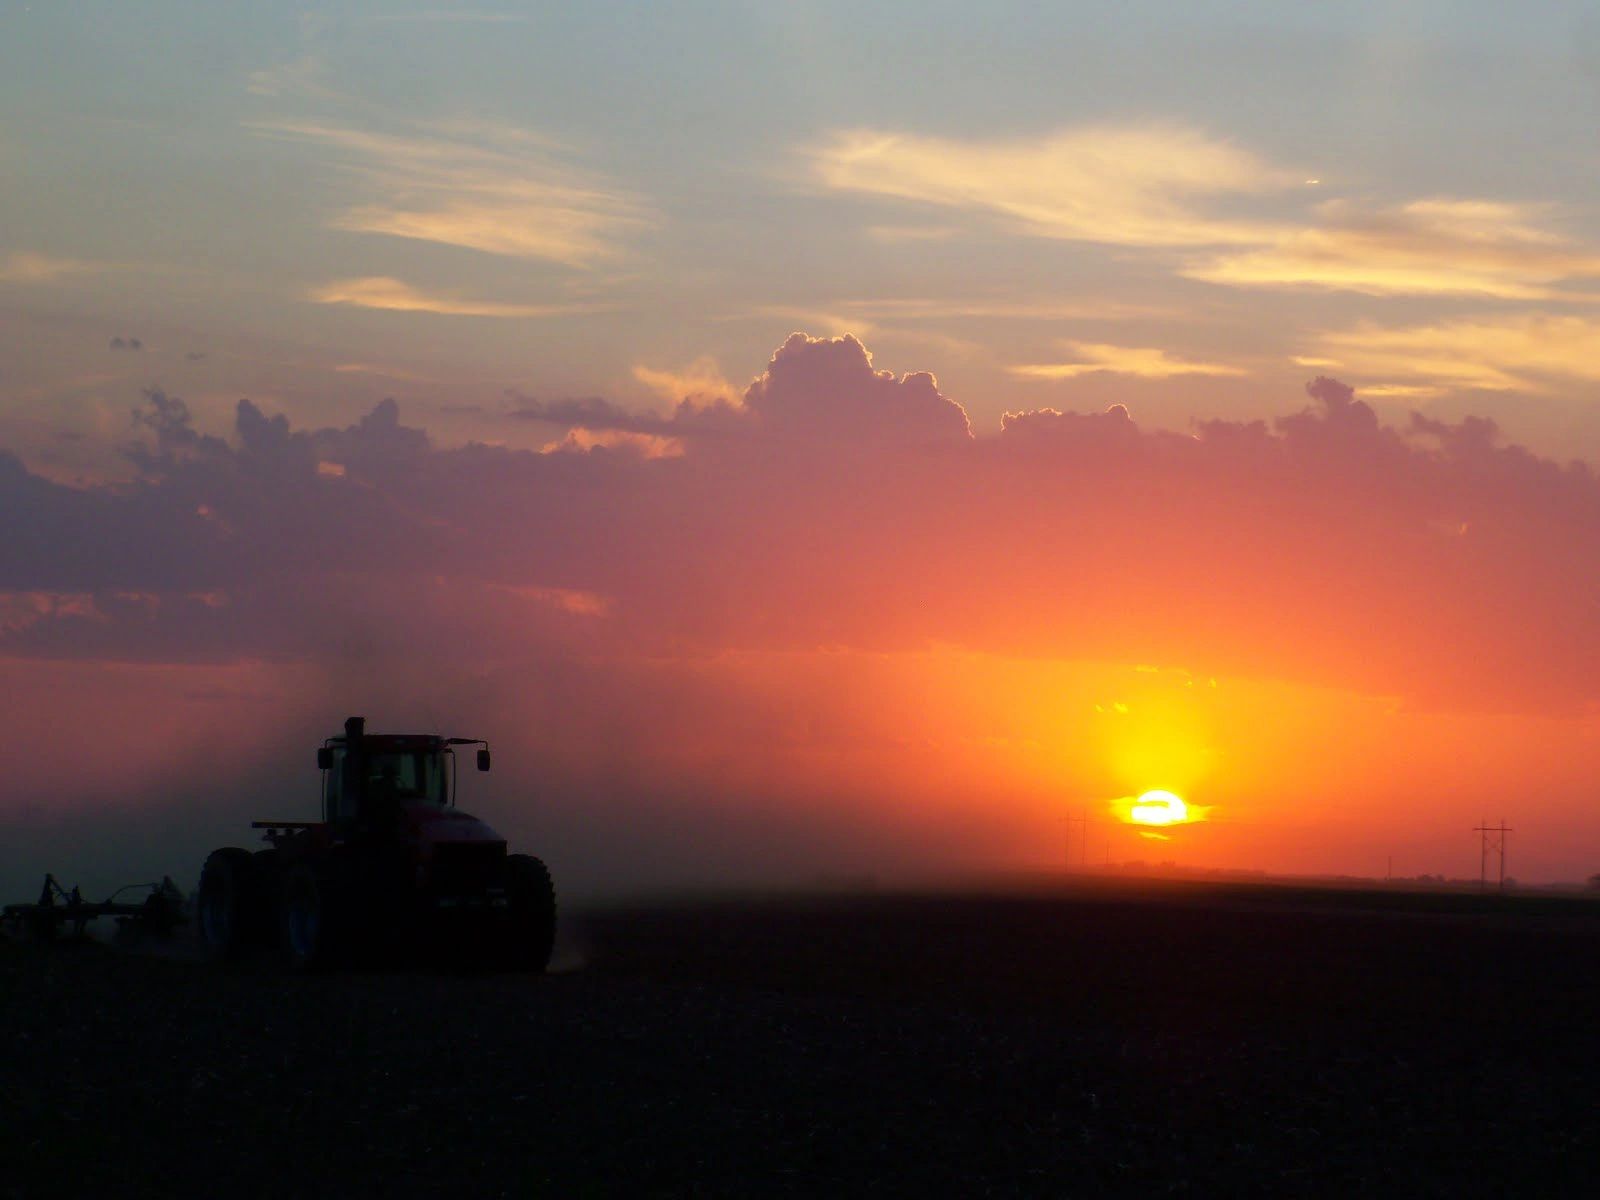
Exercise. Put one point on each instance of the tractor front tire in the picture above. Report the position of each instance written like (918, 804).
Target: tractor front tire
(531, 898)
(314, 918)
(224, 907)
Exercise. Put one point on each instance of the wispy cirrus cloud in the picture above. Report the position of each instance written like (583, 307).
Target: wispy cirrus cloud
(1503, 352)
(25, 267)
(1146, 362)
(1160, 186)
(383, 371)
(910, 233)
(701, 380)
(895, 316)
(1401, 391)
(453, 16)
(834, 320)
(303, 78)
(491, 188)
(1022, 308)
(1120, 185)
(394, 295)
(1426, 247)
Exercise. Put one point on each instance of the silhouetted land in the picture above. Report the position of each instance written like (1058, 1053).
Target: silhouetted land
(1143, 1039)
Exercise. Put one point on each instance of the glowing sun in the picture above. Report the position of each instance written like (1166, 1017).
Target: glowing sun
(1159, 808)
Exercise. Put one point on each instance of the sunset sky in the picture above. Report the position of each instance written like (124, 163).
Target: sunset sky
(816, 439)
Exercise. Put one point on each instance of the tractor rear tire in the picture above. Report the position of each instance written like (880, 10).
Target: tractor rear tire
(314, 918)
(531, 897)
(225, 907)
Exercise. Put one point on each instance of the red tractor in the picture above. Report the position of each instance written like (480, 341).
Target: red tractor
(393, 865)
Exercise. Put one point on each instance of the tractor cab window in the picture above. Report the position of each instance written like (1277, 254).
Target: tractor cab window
(409, 777)
(334, 805)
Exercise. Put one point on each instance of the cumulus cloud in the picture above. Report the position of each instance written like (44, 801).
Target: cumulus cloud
(813, 389)
(841, 627)
(844, 507)
(827, 388)
(1109, 428)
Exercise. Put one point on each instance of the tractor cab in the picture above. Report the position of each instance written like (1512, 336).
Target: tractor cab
(363, 774)
(392, 863)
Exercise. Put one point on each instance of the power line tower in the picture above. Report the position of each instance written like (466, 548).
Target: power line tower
(1492, 841)
(1082, 822)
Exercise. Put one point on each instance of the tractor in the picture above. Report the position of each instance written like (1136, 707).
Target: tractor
(392, 867)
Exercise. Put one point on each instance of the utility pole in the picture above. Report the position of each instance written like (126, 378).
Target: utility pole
(1492, 840)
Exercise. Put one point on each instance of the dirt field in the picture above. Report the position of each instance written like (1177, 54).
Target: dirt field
(1144, 1040)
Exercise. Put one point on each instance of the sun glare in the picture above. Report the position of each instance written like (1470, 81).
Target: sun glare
(1158, 808)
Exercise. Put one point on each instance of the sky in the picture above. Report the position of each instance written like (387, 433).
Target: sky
(808, 441)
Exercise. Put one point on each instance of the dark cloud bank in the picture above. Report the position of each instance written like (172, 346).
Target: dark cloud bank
(838, 507)
(586, 608)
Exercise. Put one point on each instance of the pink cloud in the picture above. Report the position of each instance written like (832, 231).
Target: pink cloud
(704, 651)
(826, 387)
(841, 506)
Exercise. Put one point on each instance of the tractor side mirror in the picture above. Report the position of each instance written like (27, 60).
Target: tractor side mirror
(324, 758)
(483, 760)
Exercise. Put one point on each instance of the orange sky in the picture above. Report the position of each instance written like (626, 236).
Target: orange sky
(789, 765)
(835, 438)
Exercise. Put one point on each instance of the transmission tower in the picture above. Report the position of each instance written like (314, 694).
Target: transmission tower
(1492, 841)
(1082, 840)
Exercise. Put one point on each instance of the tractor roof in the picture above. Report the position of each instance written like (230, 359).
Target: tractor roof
(396, 743)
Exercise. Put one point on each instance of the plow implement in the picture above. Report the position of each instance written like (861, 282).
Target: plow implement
(56, 909)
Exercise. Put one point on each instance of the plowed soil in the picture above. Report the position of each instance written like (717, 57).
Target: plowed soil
(1135, 1040)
